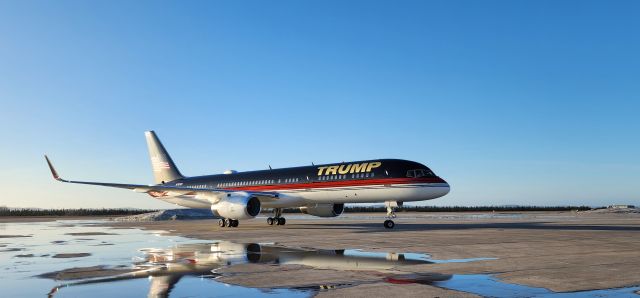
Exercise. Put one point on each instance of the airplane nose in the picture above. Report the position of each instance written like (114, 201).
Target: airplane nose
(446, 186)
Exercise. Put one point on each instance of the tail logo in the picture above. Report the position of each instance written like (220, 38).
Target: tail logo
(159, 164)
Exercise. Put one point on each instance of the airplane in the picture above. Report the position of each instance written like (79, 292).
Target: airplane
(319, 190)
(166, 267)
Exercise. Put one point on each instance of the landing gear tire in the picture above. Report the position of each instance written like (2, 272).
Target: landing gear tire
(222, 223)
(389, 224)
(234, 223)
(277, 218)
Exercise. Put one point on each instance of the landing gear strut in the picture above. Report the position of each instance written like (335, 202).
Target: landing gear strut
(391, 213)
(227, 222)
(277, 218)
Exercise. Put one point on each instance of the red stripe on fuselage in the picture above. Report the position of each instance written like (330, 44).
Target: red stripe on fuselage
(339, 183)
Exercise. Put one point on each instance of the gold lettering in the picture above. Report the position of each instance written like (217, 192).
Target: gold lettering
(331, 170)
(373, 165)
(320, 169)
(357, 168)
(343, 170)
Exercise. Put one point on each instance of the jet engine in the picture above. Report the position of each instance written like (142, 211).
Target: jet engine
(323, 210)
(237, 206)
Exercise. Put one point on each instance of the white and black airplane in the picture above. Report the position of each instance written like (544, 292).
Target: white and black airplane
(320, 190)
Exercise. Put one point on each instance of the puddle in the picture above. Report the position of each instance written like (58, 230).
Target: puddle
(489, 286)
(107, 256)
(412, 256)
(221, 263)
(151, 263)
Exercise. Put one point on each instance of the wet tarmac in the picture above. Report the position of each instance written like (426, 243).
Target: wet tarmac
(58, 259)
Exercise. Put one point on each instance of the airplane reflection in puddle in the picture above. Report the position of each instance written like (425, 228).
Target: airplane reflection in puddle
(165, 267)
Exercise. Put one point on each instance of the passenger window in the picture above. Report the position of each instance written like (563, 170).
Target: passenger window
(411, 173)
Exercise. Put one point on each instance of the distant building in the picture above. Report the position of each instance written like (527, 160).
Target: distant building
(621, 207)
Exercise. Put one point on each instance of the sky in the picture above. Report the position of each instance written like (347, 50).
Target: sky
(511, 102)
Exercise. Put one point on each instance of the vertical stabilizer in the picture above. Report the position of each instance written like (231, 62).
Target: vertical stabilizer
(164, 170)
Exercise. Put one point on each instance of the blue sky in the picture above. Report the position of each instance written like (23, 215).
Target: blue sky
(512, 102)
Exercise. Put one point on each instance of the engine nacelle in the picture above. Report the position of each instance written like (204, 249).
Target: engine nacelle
(323, 210)
(237, 207)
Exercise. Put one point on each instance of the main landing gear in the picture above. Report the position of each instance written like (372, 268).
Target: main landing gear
(227, 222)
(391, 213)
(277, 218)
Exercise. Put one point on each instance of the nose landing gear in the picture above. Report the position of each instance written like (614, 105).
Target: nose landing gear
(391, 213)
(389, 224)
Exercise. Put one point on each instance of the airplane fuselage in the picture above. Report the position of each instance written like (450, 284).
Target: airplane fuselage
(369, 181)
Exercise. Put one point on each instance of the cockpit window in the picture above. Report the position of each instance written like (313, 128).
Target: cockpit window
(420, 173)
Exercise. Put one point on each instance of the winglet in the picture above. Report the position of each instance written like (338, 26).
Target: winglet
(53, 170)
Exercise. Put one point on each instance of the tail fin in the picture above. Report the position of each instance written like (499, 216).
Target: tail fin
(164, 170)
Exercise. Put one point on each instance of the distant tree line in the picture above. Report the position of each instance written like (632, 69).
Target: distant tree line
(356, 209)
(4, 211)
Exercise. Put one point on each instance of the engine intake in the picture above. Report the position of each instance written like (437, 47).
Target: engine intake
(323, 210)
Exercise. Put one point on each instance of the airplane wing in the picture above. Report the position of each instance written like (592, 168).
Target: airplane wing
(155, 190)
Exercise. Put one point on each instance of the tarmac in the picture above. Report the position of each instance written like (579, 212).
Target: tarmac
(559, 251)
